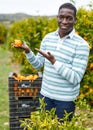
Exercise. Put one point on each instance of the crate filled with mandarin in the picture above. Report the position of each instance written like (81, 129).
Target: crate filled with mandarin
(23, 96)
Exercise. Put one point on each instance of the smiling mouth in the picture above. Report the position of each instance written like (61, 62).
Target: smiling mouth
(64, 26)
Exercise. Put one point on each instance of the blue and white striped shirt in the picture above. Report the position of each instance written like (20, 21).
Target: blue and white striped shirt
(61, 80)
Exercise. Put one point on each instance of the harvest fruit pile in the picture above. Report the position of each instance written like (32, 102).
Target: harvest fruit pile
(26, 91)
(20, 77)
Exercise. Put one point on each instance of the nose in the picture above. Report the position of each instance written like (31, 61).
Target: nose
(64, 20)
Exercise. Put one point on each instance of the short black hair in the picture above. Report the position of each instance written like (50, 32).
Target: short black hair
(69, 6)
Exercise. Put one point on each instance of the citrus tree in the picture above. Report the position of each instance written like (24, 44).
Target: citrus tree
(84, 27)
(3, 33)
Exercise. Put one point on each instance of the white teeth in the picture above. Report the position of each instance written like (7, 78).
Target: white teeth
(63, 27)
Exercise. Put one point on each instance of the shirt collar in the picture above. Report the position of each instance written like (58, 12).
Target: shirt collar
(70, 35)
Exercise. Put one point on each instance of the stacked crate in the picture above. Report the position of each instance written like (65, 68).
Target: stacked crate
(23, 99)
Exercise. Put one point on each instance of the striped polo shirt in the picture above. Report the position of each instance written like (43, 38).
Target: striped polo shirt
(61, 80)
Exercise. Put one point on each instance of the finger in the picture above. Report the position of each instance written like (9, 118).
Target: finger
(37, 49)
(48, 53)
(16, 46)
(42, 52)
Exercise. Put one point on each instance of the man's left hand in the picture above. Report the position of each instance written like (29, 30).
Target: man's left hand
(47, 55)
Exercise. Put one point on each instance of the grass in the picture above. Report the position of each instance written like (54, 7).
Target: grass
(5, 68)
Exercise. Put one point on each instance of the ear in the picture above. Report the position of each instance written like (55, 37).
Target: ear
(56, 16)
(75, 20)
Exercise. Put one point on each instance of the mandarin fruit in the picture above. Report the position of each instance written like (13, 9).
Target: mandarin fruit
(17, 43)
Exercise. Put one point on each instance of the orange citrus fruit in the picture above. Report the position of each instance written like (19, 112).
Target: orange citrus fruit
(17, 43)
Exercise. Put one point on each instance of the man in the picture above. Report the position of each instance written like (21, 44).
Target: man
(64, 55)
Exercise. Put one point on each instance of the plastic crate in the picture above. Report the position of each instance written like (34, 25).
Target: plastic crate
(23, 99)
(22, 107)
(15, 124)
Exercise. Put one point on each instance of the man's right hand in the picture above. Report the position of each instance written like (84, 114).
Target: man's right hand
(24, 46)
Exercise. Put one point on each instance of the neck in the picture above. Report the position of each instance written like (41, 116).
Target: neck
(63, 34)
